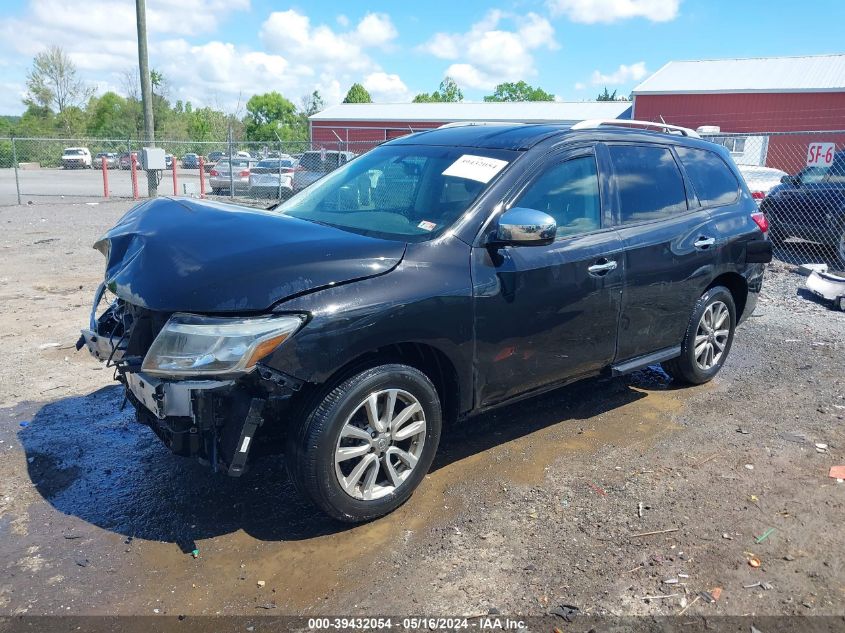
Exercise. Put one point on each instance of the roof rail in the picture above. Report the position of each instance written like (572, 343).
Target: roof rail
(465, 123)
(591, 124)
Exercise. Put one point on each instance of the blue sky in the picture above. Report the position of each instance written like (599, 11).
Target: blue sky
(219, 52)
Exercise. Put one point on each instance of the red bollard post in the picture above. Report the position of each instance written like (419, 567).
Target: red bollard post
(175, 182)
(133, 164)
(105, 165)
(202, 178)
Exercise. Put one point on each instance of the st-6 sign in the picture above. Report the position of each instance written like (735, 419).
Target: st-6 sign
(820, 154)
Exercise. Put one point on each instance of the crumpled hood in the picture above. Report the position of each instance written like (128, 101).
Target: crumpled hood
(195, 256)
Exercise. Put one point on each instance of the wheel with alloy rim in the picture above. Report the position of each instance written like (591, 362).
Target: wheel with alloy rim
(366, 443)
(707, 340)
(380, 444)
(711, 337)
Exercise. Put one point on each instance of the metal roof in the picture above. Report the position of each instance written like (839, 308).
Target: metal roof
(523, 111)
(812, 73)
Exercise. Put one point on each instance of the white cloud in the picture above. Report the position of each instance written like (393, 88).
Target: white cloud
(114, 21)
(100, 37)
(580, 85)
(488, 54)
(622, 75)
(291, 33)
(291, 54)
(386, 87)
(593, 11)
(375, 29)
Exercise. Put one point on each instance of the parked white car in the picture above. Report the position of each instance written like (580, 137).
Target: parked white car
(760, 180)
(76, 158)
(272, 178)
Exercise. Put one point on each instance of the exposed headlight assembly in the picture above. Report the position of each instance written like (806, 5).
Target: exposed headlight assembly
(190, 345)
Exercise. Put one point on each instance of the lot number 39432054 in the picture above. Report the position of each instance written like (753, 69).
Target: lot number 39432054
(820, 154)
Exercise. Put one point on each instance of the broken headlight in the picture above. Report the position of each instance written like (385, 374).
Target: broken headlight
(189, 344)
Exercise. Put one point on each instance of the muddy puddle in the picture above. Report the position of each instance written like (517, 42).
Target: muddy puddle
(104, 519)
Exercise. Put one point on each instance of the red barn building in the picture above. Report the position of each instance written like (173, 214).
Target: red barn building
(760, 96)
(370, 123)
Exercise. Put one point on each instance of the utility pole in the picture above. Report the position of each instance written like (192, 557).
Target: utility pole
(146, 90)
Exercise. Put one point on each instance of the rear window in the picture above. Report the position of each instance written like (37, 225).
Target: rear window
(243, 162)
(712, 179)
(649, 182)
(274, 164)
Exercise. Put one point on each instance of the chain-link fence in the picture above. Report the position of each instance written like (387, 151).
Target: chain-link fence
(798, 178)
(44, 169)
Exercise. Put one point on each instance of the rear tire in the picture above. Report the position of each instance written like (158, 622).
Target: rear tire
(359, 452)
(707, 340)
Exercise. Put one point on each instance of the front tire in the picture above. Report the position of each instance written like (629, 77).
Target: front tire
(707, 340)
(364, 445)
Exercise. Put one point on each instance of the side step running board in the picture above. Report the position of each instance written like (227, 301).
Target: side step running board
(644, 361)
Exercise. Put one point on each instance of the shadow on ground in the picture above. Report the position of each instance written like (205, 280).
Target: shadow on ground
(90, 459)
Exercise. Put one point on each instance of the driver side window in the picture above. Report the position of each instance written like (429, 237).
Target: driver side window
(569, 192)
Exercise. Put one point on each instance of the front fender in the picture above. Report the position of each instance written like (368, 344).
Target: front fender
(427, 300)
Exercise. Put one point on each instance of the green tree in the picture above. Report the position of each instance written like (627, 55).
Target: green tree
(207, 124)
(519, 91)
(357, 94)
(312, 104)
(53, 83)
(449, 91)
(270, 114)
(606, 95)
(109, 117)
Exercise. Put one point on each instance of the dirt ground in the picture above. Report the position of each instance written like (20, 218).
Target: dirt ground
(544, 503)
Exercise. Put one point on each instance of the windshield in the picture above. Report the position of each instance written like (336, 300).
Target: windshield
(407, 192)
(74, 152)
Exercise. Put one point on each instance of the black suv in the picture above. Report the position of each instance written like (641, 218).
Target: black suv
(810, 205)
(436, 276)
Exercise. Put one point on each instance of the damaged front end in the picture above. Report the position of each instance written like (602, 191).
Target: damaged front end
(194, 380)
(189, 312)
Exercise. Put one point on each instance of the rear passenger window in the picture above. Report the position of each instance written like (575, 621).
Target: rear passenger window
(569, 192)
(649, 182)
(712, 179)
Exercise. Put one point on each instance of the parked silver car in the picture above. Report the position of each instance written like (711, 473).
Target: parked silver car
(315, 164)
(109, 157)
(219, 175)
(272, 178)
(760, 180)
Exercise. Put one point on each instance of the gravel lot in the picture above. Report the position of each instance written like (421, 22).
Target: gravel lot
(73, 186)
(528, 508)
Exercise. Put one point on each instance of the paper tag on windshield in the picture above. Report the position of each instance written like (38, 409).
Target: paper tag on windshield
(478, 168)
(425, 225)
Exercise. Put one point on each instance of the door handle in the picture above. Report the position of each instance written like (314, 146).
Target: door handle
(602, 267)
(704, 242)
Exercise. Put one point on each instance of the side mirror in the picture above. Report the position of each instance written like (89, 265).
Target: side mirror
(526, 227)
(792, 181)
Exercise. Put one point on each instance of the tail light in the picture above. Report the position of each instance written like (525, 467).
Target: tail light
(761, 220)
(758, 195)
(214, 172)
(244, 173)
